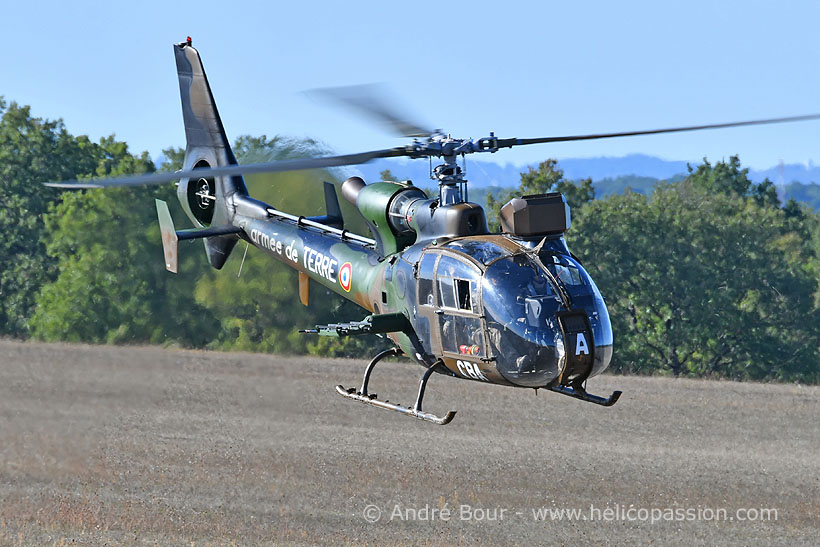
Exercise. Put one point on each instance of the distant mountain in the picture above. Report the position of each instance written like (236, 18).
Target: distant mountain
(807, 193)
(633, 164)
(636, 183)
(482, 174)
(791, 172)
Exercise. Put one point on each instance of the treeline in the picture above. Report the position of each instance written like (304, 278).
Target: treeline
(708, 276)
(808, 194)
(804, 193)
(88, 266)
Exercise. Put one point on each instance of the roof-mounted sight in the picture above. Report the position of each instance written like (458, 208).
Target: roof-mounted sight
(542, 214)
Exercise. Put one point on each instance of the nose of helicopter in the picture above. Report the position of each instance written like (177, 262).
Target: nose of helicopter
(546, 321)
(565, 352)
(538, 340)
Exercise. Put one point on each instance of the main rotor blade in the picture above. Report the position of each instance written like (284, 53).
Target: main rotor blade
(507, 143)
(375, 101)
(269, 167)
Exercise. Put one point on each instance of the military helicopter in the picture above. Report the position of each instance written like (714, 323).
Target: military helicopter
(514, 308)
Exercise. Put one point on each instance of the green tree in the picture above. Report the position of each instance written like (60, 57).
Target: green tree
(32, 150)
(112, 285)
(548, 177)
(249, 149)
(704, 278)
(730, 178)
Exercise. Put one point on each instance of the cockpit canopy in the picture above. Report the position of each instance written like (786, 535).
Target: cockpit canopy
(496, 299)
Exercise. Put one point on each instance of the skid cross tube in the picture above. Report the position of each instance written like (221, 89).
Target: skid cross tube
(364, 397)
(372, 365)
(423, 386)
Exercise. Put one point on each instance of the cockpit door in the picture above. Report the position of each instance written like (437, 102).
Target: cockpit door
(449, 309)
(462, 333)
(459, 307)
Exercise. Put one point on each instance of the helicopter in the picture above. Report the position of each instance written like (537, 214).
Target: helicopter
(514, 308)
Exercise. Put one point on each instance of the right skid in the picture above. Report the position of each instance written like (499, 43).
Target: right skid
(364, 397)
(352, 394)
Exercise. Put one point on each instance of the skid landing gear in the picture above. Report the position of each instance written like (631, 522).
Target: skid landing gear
(580, 393)
(364, 397)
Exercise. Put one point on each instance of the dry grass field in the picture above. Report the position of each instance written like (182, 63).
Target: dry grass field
(150, 446)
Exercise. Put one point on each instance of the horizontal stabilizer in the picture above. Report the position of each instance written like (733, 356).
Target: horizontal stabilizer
(171, 237)
(211, 231)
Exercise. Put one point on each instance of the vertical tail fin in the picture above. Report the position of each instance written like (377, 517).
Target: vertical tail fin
(333, 213)
(208, 201)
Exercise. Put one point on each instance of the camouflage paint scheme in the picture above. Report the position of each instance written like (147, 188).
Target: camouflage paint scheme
(390, 284)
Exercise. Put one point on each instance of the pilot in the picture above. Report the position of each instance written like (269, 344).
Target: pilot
(447, 332)
(495, 336)
(525, 363)
(538, 286)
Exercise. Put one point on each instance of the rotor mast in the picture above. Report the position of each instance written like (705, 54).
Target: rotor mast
(451, 178)
(452, 186)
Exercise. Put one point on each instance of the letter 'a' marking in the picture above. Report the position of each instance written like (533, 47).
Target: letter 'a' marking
(581, 344)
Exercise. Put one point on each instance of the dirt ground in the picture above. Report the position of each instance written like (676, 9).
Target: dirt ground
(146, 445)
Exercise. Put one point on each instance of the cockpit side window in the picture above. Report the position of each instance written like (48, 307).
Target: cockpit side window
(568, 274)
(461, 327)
(563, 268)
(426, 295)
(446, 292)
(458, 284)
(463, 294)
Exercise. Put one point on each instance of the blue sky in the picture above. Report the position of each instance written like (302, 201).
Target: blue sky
(517, 68)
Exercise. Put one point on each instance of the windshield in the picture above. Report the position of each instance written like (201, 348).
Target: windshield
(517, 293)
(520, 305)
